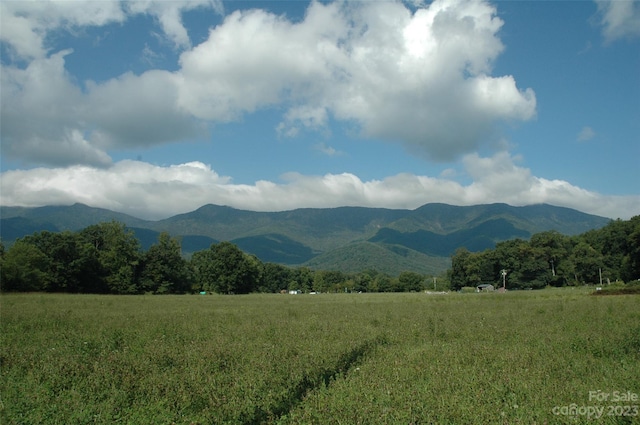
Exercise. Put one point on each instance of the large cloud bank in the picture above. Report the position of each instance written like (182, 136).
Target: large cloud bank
(420, 77)
(154, 192)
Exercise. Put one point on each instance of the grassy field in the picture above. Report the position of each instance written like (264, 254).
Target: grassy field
(551, 356)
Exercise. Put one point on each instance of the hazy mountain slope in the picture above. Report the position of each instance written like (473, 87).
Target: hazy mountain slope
(16, 227)
(274, 248)
(319, 229)
(390, 259)
(444, 219)
(345, 238)
(483, 236)
(195, 243)
(72, 217)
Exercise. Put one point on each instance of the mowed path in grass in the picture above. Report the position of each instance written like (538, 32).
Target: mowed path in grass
(521, 357)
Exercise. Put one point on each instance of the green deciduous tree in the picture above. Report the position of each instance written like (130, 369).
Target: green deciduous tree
(72, 263)
(382, 283)
(533, 270)
(458, 275)
(304, 277)
(329, 281)
(631, 262)
(118, 253)
(24, 268)
(411, 281)
(275, 277)
(587, 263)
(556, 248)
(164, 269)
(363, 282)
(473, 268)
(225, 269)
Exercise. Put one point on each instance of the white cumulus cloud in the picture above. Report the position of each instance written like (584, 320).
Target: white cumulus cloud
(137, 111)
(42, 113)
(169, 15)
(151, 191)
(26, 24)
(422, 78)
(619, 18)
(47, 119)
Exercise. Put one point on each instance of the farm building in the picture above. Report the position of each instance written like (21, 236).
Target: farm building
(485, 287)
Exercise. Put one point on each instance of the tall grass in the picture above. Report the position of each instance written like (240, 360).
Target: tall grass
(358, 358)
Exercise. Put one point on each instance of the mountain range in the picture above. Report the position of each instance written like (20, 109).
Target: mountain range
(345, 238)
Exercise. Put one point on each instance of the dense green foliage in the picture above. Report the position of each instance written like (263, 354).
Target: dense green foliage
(348, 239)
(385, 258)
(164, 270)
(102, 258)
(609, 254)
(225, 269)
(317, 359)
(107, 258)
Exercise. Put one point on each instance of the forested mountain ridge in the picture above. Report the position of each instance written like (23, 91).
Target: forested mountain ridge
(318, 228)
(67, 217)
(108, 258)
(424, 237)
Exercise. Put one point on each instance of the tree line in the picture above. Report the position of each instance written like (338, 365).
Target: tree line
(107, 258)
(609, 254)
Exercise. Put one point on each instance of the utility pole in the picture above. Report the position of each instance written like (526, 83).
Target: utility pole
(600, 272)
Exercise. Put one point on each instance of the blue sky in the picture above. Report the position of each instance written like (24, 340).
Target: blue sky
(157, 107)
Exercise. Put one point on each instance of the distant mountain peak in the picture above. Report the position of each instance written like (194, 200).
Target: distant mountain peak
(344, 237)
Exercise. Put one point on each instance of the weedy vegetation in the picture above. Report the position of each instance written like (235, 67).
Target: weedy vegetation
(317, 359)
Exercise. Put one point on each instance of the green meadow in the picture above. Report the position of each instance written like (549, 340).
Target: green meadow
(523, 357)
